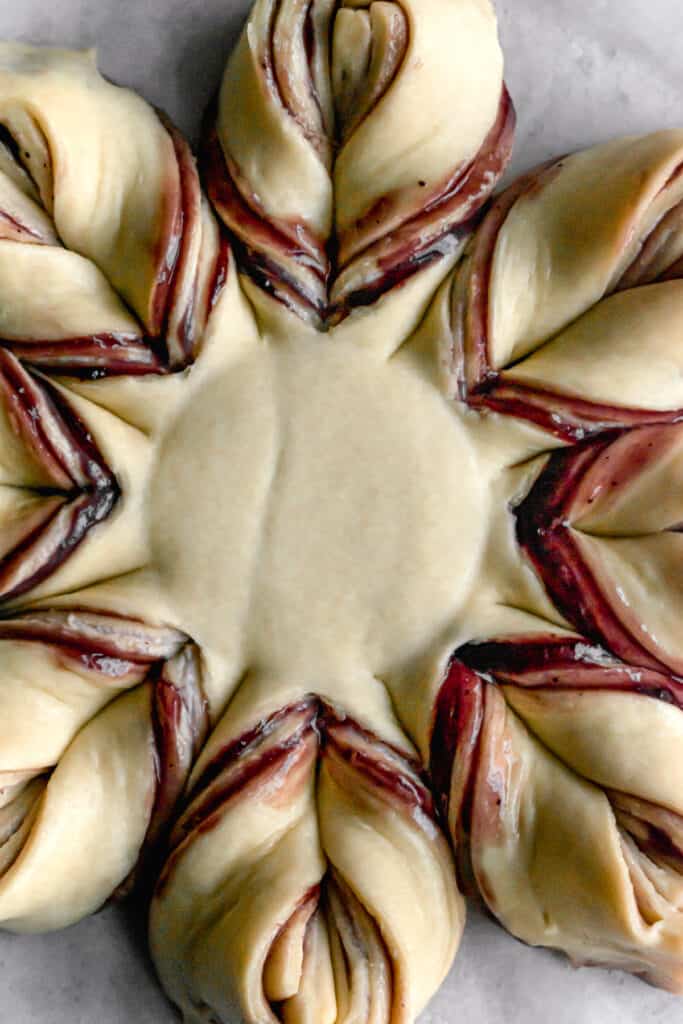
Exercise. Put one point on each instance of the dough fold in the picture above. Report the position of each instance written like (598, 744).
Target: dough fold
(100, 203)
(329, 161)
(565, 308)
(308, 879)
(100, 721)
(558, 770)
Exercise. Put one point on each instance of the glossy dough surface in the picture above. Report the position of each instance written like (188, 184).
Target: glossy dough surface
(339, 520)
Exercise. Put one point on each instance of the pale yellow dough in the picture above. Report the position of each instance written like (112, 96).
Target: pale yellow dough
(315, 511)
(318, 511)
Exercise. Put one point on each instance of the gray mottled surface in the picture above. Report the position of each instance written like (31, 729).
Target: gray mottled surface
(579, 72)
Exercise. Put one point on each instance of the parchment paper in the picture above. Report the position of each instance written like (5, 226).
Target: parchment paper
(579, 72)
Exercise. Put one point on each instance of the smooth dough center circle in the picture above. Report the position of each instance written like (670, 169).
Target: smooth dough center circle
(316, 508)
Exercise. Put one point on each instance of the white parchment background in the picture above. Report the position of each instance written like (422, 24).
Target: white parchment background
(579, 71)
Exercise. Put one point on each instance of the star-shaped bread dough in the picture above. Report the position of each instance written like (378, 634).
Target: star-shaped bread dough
(339, 519)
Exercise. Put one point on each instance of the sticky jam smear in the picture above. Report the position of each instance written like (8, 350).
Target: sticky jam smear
(81, 490)
(591, 476)
(301, 732)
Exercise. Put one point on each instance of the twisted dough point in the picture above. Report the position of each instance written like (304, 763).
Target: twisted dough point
(564, 309)
(308, 879)
(333, 167)
(560, 775)
(73, 836)
(100, 202)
